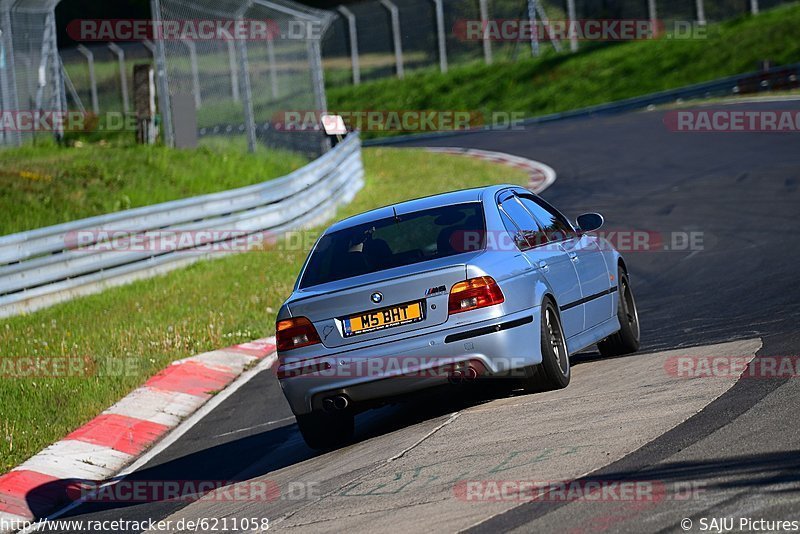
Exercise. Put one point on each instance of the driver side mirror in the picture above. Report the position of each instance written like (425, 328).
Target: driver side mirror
(589, 222)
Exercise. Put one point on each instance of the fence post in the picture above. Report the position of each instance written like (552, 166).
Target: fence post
(123, 75)
(92, 79)
(571, 15)
(247, 95)
(652, 13)
(352, 32)
(754, 7)
(233, 69)
(273, 73)
(160, 57)
(198, 101)
(318, 81)
(8, 79)
(441, 35)
(394, 14)
(701, 11)
(487, 43)
(534, 33)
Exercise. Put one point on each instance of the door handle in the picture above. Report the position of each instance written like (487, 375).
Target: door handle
(543, 266)
(574, 257)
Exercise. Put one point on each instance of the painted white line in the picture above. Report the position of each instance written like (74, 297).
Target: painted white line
(402, 453)
(177, 433)
(262, 425)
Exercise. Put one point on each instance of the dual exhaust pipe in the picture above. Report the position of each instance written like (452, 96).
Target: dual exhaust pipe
(458, 376)
(337, 403)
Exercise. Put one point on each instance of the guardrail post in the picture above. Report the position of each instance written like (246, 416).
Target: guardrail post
(198, 101)
(487, 43)
(441, 35)
(754, 7)
(123, 75)
(92, 79)
(394, 14)
(573, 37)
(353, 35)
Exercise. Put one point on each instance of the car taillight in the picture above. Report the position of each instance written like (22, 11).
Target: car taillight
(473, 294)
(295, 333)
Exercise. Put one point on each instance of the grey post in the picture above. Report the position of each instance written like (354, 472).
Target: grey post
(161, 74)
(8, 80)
(198, 101)
(247, 95)
(352, 32)
(441, 35)
(701, 11)
(754, 7)
(653, 14)
(123, 75)
(573, 37)
(487, 43)
(233, 69)
(394, 14)
(318, 80)
(92, 79)
(534, 29)
(273, 73)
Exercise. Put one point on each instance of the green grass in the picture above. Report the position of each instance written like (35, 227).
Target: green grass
(47, 184)
(205, 306)
(599, 73)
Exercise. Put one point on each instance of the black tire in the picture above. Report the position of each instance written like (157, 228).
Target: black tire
(321, 430)
(555, 371)
(626, 340)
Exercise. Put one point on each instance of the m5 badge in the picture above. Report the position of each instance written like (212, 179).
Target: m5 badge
(430, 292)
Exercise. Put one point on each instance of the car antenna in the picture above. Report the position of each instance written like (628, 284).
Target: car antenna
(396, 218)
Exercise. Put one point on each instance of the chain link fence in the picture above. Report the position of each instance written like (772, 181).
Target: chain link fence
(241, 88)
(30, 68)
(359, 45)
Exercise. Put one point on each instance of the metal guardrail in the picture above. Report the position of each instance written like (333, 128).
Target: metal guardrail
(777, 78)
(41, 267)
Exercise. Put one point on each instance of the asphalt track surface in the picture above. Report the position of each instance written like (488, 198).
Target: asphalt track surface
(736, 441)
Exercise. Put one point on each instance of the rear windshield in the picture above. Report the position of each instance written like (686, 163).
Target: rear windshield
(393, 242)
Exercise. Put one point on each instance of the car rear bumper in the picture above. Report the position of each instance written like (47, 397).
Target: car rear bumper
(397, 368)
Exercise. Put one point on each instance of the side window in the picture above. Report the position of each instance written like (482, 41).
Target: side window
(554, 225)
(527, 235)
(514, 231)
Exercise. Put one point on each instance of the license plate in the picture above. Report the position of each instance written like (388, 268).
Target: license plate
(373, 321)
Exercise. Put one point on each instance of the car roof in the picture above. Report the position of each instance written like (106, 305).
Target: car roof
(409, 206)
